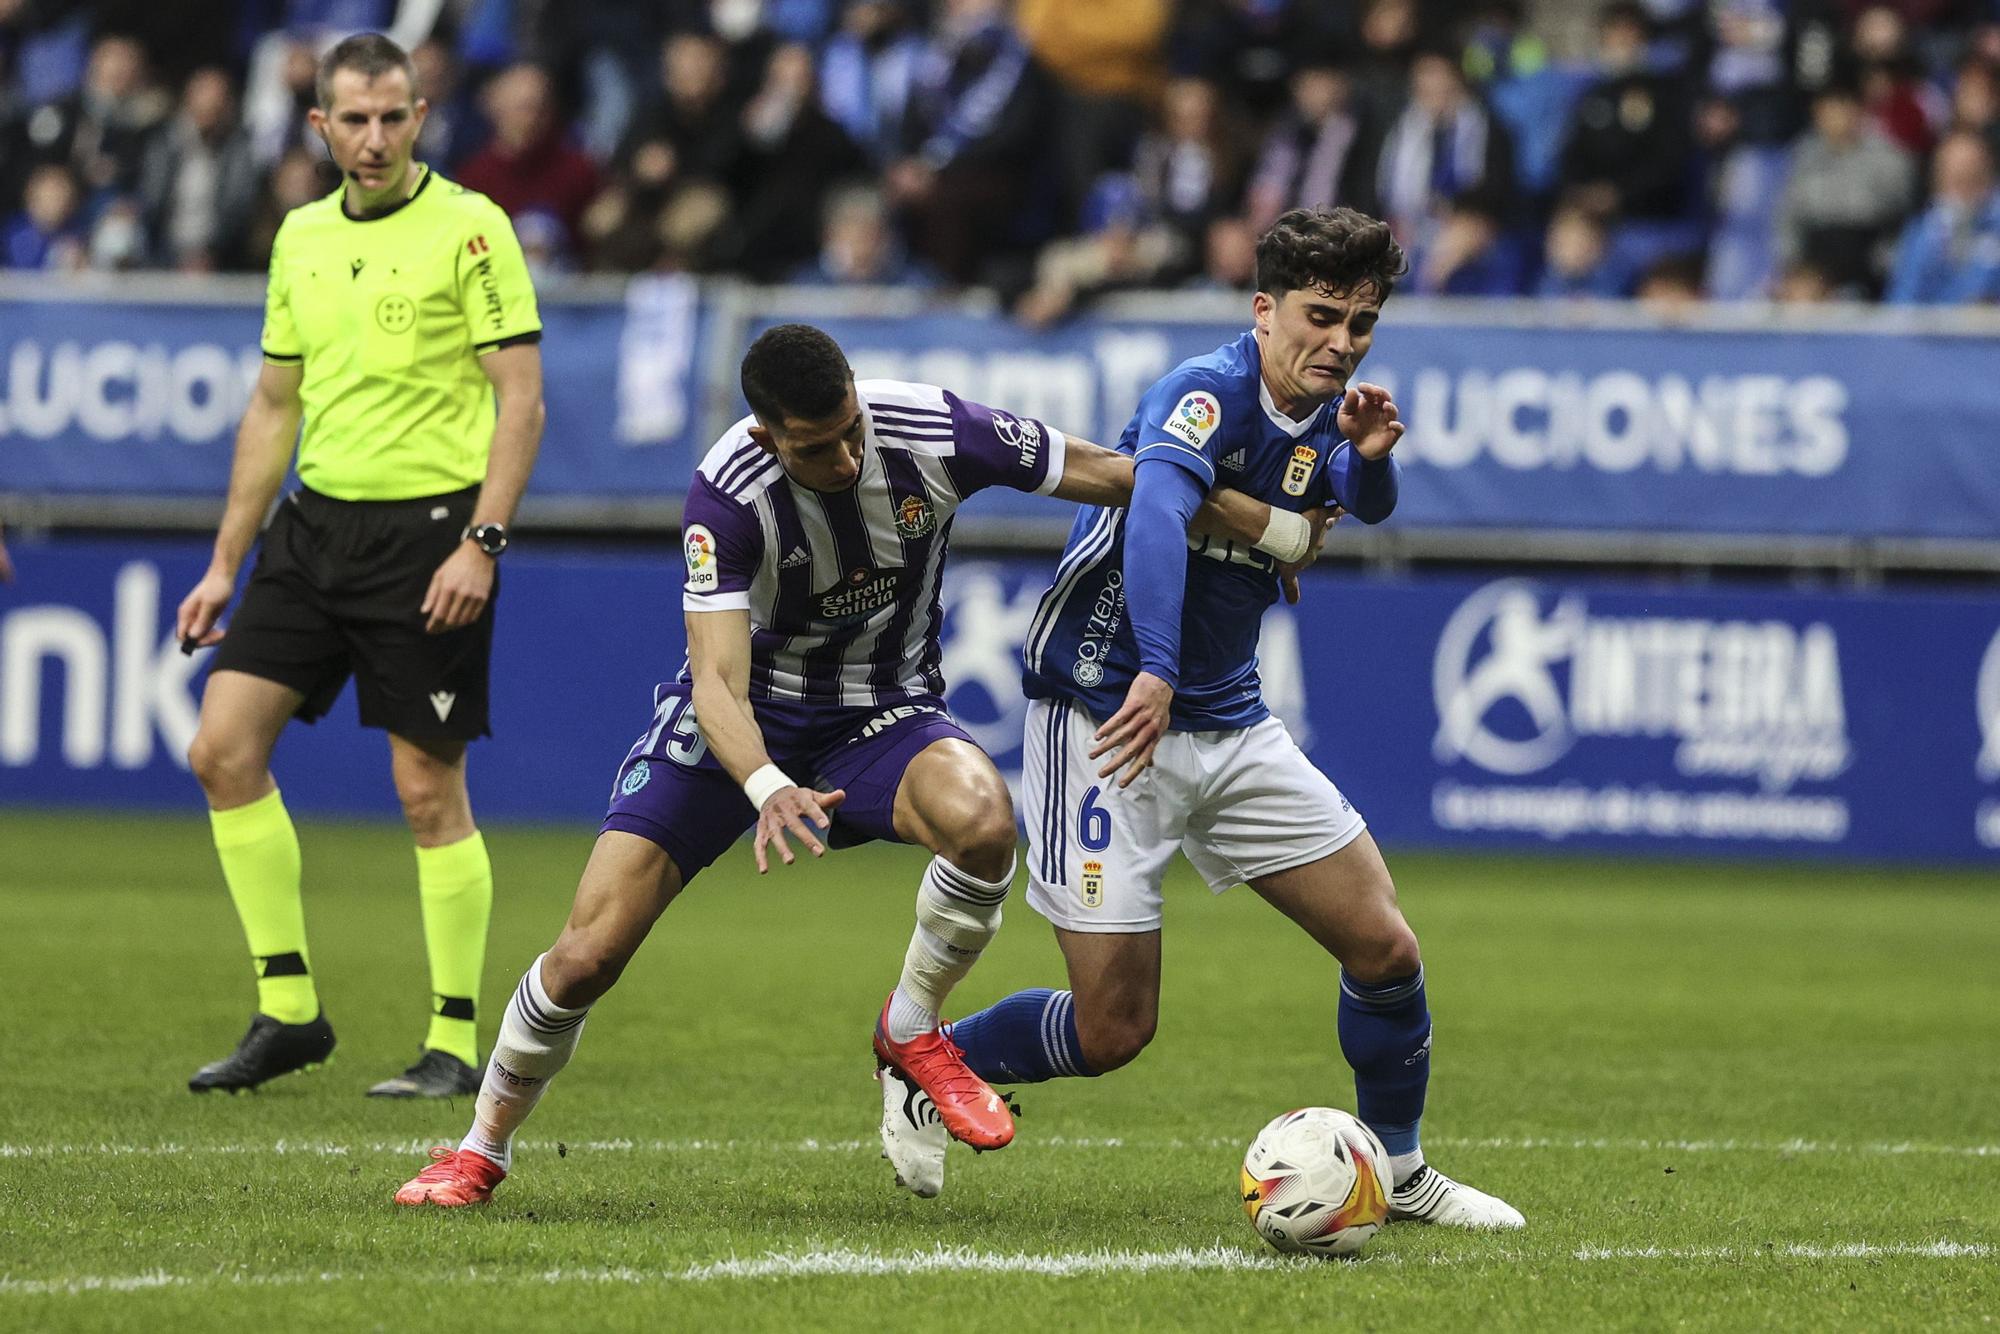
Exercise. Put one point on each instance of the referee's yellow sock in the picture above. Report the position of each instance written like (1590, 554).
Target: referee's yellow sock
(260, 861)
(455, 883)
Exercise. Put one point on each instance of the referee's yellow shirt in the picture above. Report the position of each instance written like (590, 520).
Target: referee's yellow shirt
(390, 315)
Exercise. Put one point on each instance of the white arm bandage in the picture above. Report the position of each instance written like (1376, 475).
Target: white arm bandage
(761, 786)
(1287, 537)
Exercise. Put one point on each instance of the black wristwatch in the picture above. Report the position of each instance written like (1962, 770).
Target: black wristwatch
(491, 537)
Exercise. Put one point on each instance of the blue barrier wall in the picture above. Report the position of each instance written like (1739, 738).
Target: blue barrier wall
(1644, 428)
(1457, 712)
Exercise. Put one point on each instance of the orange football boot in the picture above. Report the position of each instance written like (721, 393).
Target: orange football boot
(969, 1108)
(455, 1177)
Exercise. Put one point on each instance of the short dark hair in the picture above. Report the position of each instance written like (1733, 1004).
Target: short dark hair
(368, 54)
(1328, 250)
(794, 372)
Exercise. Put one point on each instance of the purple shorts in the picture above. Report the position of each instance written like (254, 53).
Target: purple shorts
(672, 791)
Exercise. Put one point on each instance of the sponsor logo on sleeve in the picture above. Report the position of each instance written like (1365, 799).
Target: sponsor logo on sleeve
(1299, 470)
(698, 545)
(1194, 418)
(1019, 434)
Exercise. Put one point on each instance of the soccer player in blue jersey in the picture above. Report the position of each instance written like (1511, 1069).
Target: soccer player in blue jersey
(815, 536)
(1148, 732)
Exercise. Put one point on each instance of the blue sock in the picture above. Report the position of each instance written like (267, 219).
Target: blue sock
(1026, 1038)
(1385, 1034)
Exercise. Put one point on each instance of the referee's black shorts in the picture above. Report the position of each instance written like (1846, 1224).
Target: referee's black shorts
(335, 593)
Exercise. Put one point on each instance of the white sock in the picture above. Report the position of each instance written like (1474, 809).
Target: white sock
(537, 1038)
(957, 915)
(1403, 1166)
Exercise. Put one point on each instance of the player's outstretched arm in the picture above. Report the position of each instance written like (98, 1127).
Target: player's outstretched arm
(1094, 475)
(264, 441)
(719, 664)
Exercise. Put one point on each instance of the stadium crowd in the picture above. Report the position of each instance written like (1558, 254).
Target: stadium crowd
(1727, 149)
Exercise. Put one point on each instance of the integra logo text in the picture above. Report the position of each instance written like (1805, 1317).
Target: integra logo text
(1758, 699)
(864, 591)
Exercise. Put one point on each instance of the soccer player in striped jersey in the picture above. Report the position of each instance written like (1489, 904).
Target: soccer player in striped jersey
(811, 708)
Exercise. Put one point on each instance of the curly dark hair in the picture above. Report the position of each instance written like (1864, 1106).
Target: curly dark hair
(794, 372)
(1328, 250)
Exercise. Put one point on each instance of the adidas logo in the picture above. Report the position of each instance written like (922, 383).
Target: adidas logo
(1234, 460)
(794, 558)
(441, 702)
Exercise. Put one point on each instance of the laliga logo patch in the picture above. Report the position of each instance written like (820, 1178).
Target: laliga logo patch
(1299, 471)
(1989, 711)
(698, 545)
(1195, 418)
(914, 517)
(1093, 884)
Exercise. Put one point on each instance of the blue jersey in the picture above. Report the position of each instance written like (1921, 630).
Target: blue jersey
(1212, 416)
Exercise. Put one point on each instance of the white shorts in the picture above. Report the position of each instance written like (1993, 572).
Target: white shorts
(1241, 804)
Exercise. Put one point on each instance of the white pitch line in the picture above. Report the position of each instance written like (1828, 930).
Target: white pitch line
(338, 1149)
(842, 1262)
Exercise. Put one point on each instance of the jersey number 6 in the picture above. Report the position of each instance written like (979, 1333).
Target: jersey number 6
(1093, 823)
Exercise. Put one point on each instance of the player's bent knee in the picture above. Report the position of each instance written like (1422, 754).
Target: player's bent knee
(1117, 1043)
(226, 770)
(578, 970)
(1392, 955)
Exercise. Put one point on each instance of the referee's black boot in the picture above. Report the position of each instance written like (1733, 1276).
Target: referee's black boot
(268, 1050)
(437, 1074)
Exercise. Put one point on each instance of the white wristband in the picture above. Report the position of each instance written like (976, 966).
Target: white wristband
(761, 786)
(1287, 536)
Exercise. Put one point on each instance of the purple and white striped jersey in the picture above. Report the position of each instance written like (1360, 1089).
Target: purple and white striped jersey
(843, 587)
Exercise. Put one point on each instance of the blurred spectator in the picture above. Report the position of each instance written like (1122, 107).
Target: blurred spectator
(1499, 44)
(1473, 254)
(1390, 34)
(1629, 144)
(691, 131)
(1190, 171)
(1975, 100)
(970, 135)
(299, 178)
(1891, 87)
(1577, 258)
(46, 233)
(1745, 181)
(1313, 157)
(793, 155)
(530, 163)
(276, 96)
(118, 237)
(1747, 65)
(1802, 284)
(1849, 189)
(1671, 287)
(866, 73)
(198, 182)
(1950, 254)
(1119, 249)
(858, 246)
(1105, 59)
(1443, 149)
(101, 130)
(452, 127)
(1229, 256)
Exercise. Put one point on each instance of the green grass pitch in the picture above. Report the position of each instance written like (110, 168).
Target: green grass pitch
(1725, 1096)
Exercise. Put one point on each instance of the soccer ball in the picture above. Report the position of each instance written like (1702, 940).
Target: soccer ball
(1316, 1182)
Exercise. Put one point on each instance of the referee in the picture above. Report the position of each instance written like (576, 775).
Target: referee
(400, 324)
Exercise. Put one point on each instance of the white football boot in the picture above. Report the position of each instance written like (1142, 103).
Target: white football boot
(1429, 1196)
(913, 1134)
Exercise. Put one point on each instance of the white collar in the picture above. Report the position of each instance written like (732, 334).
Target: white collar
(1294, 429)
